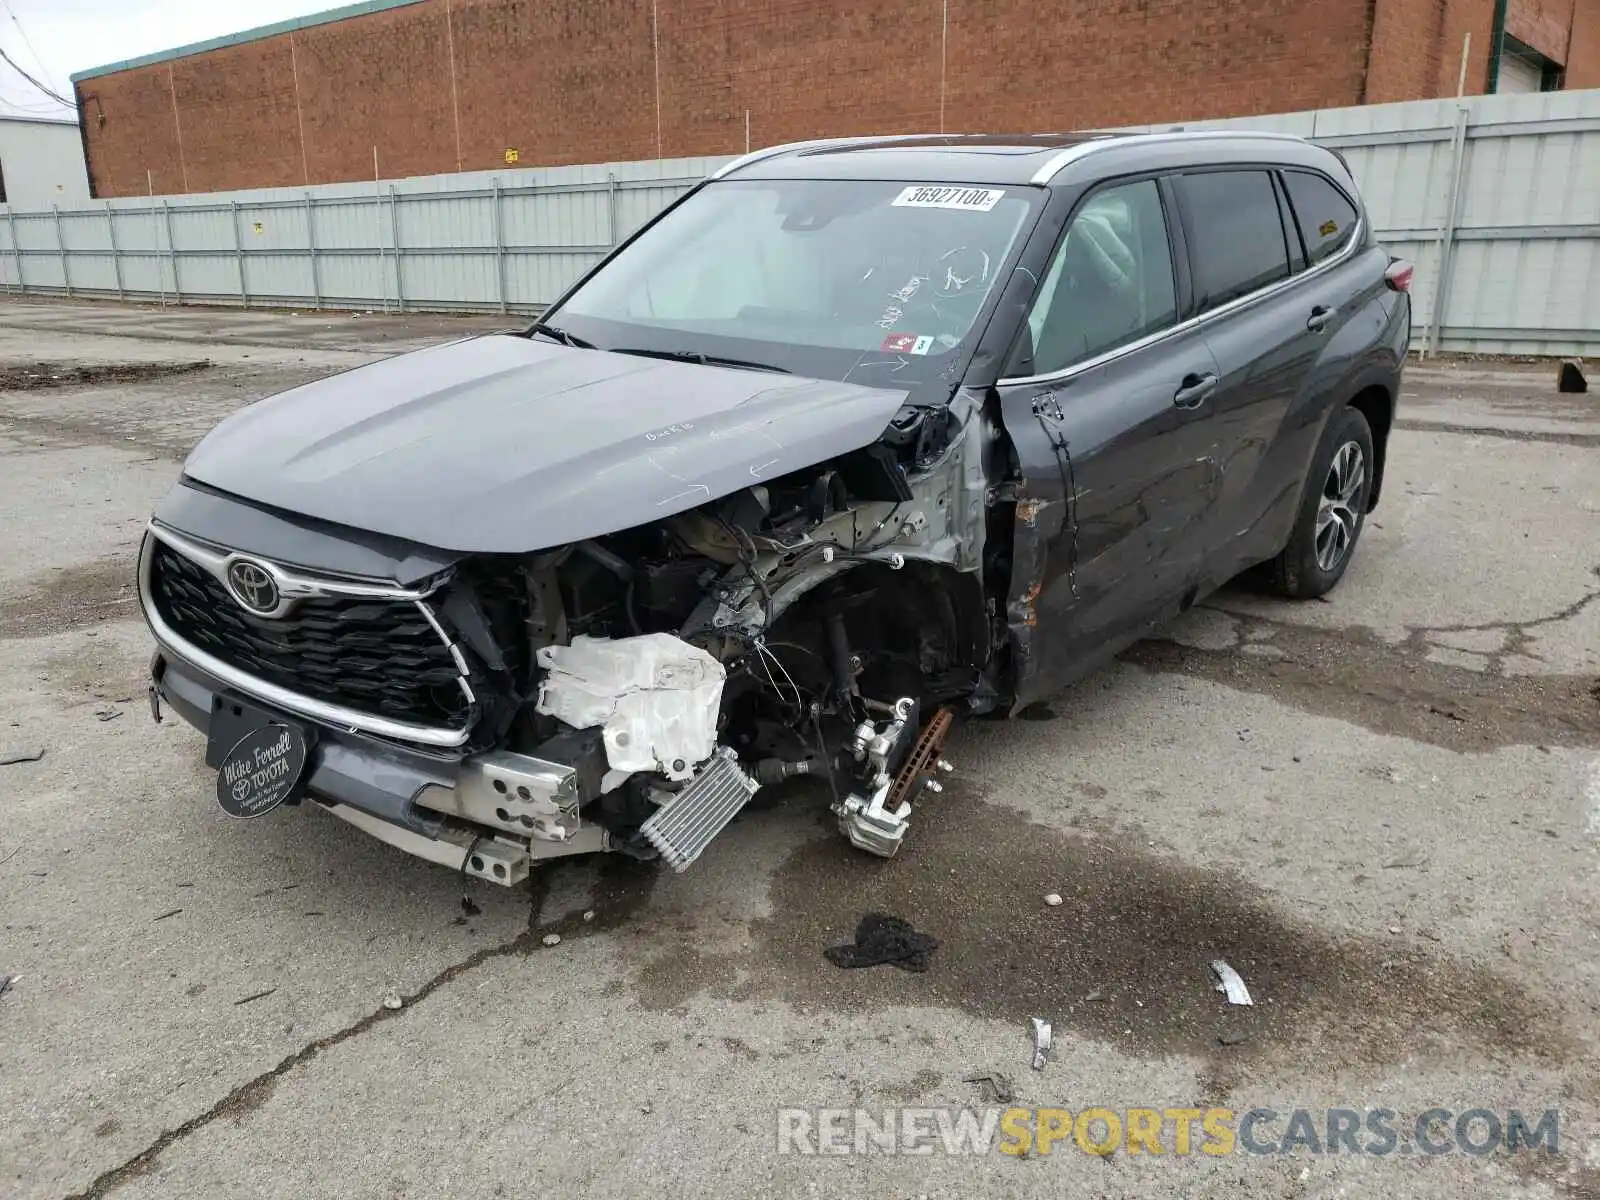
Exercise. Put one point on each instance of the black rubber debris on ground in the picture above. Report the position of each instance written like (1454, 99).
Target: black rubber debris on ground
(1571, 379)
(880, 939)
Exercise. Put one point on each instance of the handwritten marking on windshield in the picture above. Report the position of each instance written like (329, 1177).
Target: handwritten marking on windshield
(909, 290)
(898, 363)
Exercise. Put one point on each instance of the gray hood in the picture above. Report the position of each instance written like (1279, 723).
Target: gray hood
(505, 444)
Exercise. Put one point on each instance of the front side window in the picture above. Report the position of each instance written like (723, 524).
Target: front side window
(1109, 284)
(1325, 215)
(1235, 234)
(827, 278)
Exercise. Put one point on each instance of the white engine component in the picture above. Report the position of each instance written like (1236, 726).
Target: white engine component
(654, 696)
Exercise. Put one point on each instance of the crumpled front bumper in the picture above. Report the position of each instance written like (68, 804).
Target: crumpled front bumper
(372, 784)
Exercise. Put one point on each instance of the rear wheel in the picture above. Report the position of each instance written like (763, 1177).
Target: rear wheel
(1332, 511)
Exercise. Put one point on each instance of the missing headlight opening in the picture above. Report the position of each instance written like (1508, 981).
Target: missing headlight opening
(793, 629)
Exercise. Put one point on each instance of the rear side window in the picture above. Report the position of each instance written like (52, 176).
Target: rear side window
(1325, 215)
(1236, 241)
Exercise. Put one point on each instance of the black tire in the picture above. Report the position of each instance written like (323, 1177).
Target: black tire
(1315, 559)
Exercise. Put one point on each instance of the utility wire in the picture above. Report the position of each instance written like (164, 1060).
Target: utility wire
(23, 34)
(45, 88)
(30, 103)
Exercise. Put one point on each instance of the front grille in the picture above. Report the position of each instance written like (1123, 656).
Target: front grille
(379, 657)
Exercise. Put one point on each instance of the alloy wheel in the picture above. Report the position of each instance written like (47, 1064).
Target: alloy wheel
(1337, 513)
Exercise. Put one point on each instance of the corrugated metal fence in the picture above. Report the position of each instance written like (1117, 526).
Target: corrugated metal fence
(1496, 199)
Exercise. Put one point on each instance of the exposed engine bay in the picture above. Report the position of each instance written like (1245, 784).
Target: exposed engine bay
(635, 690)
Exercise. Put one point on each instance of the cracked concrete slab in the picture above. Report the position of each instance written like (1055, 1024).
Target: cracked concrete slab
(1397, 852)
(1470, 660)
(1427, 542)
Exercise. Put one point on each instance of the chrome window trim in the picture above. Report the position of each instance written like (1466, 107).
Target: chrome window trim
(1197, 320)
(335, 715)
(1054, 165)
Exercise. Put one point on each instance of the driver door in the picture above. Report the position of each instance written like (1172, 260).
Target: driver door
(1110, 409)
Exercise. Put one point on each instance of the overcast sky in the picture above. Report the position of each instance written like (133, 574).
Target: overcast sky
(50, 39)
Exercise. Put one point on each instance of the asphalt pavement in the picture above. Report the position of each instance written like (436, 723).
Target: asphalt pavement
(1382, 809)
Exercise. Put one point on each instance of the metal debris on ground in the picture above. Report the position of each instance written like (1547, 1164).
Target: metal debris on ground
(881, 938)
(589, 916)
(1095, 997)
(997, 1088)
(20, 755)
(1229, 982)
(1404, 861)
(1041, 1043)
(6, 981)
(1053, 900)
(552, 939)
(392, 1002)
(254, 996)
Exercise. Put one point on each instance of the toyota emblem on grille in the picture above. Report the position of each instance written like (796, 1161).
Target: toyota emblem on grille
(253, 586)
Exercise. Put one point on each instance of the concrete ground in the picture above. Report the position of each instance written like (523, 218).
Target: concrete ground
(1383, 810)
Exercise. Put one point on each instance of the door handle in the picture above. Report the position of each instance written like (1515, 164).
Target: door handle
(1194, 390)
(1318, 320)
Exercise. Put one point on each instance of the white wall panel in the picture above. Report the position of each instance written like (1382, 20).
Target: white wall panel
(1523, 246)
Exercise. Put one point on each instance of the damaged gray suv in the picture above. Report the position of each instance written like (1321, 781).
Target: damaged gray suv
(855, 439)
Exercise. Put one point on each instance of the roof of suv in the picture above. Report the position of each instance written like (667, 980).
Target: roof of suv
(1025, 159)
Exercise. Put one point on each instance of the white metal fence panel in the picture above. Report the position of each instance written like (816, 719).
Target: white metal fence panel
(1497, 201)
(1495, 198)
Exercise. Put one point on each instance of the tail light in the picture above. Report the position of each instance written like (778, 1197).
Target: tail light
(1398, 276)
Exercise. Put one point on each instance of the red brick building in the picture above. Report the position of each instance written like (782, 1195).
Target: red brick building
(447, 85)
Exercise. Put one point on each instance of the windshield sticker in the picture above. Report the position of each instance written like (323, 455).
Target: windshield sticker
(969, 198)
(904, 343)
(922, 345)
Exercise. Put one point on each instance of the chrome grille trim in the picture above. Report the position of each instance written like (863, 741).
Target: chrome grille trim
(334, 715)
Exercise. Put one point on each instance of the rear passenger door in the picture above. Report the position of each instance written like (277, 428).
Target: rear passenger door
(1108, 405)
(1267, 328)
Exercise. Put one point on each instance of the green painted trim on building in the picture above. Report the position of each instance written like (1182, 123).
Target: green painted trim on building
(1497, 48)
(249, 35)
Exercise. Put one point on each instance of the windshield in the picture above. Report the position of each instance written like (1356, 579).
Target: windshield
(833, 279)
